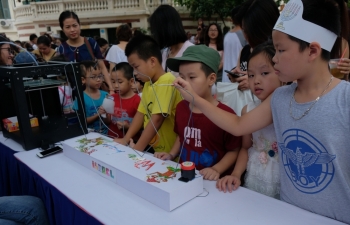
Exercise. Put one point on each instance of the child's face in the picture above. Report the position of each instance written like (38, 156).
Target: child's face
(262, 77)
(136, 87)
(142, 69)
(121, 84)
(192, 73)
(290, 63)
(93, 78)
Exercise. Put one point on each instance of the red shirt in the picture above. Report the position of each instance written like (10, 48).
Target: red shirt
(124, 112)
(206, 143)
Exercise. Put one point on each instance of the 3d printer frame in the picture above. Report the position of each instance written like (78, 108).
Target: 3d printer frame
(20, 100)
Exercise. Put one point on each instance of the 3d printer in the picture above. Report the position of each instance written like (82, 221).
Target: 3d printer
(28, 92)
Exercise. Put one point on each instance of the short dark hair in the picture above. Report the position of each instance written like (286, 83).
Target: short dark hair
(144, 46)
(259, 18)
(166, 26)
(48, 36)
(85, 66)
(235, 16)
(32, 37)
(44, 40)
(266, 48)
(67, 14)
(206, 69)
(28, 46)
(327, 16)
(3, 39)
(219, 39)
(101, 42)
(124, 32)
(137, 32)
(126, 68)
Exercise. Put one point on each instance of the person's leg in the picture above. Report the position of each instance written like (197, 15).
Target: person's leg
(9, 222)
(23, 209)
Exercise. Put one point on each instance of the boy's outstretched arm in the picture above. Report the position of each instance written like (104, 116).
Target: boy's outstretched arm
(135, 126)
(150, 131)
(255, 120)
(175, 150)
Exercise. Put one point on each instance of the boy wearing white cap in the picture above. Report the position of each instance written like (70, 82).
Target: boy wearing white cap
(313, 145)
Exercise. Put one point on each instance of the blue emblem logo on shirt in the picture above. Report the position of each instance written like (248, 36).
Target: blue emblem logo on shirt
(306, 161)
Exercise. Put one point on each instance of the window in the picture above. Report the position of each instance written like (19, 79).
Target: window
(5, 10)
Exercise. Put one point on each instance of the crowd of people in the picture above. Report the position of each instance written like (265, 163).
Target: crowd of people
(286, 139)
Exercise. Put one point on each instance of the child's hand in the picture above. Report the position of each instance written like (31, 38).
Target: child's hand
(121, 141)
(163, 155)
(121, 124)
(344, 66)
(131, 143)
(185, 89)
(243, 83)
(101, 110)
(231, 182)
(209, 174)
(111, 92)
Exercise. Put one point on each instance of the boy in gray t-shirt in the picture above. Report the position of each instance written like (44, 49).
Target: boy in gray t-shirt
(311, 118)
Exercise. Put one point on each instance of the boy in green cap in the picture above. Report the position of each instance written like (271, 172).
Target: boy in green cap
(212, 149)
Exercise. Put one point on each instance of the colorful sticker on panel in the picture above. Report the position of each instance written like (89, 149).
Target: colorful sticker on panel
(85, 144)
(141, 162)
(158, 177)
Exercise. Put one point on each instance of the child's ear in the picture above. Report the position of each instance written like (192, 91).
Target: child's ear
(131, 81)
(315, 51)
(212, 79)
(83, 80)
(153, 61)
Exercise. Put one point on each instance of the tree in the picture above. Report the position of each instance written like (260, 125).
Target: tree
(209, 8)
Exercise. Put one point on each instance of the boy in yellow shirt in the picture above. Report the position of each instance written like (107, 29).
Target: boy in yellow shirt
(156, 111)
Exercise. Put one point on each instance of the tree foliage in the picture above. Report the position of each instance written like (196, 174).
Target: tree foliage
(209, 8)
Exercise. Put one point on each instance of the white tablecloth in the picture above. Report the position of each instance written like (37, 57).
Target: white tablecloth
(11, 143)
(112, 204)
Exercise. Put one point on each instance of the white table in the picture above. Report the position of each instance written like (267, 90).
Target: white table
(112, 204)
(11, 143)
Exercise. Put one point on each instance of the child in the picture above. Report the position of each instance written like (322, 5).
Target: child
(212, 149)
(259, 153)
(159, 98)
(137, 86)
(313, 145)
(64, 91)
(126, 101)
(93, 97)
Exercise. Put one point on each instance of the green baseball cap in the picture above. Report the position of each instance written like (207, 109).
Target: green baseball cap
(196, 53)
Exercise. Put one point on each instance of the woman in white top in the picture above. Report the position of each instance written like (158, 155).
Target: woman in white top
(116, 53)
(167, 29)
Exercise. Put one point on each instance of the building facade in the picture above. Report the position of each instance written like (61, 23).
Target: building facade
(20, 18)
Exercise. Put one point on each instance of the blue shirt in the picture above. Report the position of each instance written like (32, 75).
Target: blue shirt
(81, 53)
(91, 108)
